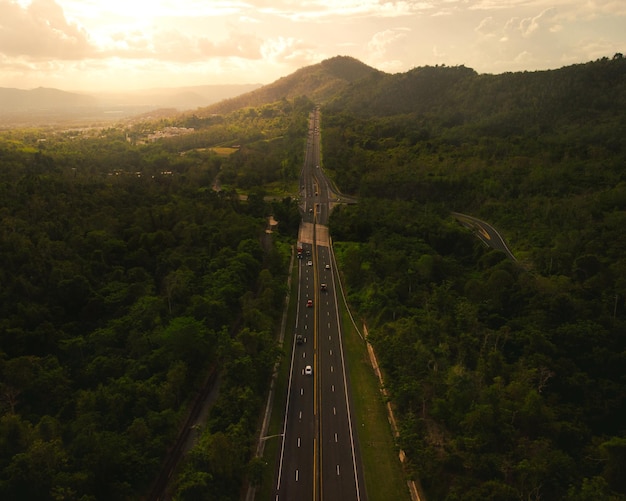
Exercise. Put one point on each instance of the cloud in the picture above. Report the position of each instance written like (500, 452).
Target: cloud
(499, 4)
(594, 9)
(40, 31)
(174, 46)
(386, 49)
(530, 25)
(129, 9)
(115, 42)
(244, 45)
(280, 49)
(437, 53)
(380, 42)
(516, 27)
(488, 27)
(523, 57)
(324, 10)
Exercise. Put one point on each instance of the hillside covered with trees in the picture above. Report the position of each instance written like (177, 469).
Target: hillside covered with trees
(319, 83)
(126, 282)
(507, 376)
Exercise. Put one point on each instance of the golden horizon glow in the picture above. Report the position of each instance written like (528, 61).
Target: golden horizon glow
(122, 43)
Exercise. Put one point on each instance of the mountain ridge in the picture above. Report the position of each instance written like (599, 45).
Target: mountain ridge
(319, 82)
(454, 93)
(450, 94)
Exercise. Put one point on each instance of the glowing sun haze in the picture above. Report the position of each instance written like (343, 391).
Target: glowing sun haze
(128, 44)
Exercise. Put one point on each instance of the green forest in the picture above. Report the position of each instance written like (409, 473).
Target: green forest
(127, 282)
(507, 376)
(133, 271)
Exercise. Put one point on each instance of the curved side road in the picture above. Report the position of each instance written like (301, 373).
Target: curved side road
(485, 232)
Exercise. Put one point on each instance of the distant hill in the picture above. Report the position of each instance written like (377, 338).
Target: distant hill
(182, 98)
(456, 95)
(451, 95)
(419, 89)
(319, 82)
(20, 107)
(41, 99)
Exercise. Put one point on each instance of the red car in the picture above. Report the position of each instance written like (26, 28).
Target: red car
(309, 303)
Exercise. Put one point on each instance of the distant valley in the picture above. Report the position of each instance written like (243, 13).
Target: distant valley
(49, 106)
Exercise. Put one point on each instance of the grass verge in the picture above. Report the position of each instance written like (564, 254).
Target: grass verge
(272, 445)
(382, 470)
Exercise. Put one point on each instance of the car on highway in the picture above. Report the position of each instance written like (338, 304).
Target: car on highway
(299, 339)
(309, 263)
(327, 267)
(324, 287)
(309, 303)
(308, 370)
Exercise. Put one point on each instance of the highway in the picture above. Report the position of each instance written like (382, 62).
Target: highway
(319, 457)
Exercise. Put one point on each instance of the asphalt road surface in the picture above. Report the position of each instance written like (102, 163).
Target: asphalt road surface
(487, 233)
(319, 457)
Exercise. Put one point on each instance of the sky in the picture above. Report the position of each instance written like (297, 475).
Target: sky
(133, 44)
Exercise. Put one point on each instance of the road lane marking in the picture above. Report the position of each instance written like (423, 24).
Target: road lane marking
(337, 470)
(299, 440)
(297, 475)
(332, 369)
(336, 439)
(332, 387)
(348, 413)
(301, 391)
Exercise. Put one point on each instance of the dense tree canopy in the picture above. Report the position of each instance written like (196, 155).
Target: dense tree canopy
(126, 280)
(507, 376)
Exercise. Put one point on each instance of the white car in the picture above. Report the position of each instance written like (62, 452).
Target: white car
(327, 267)
(308, 370)
(309, 263)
